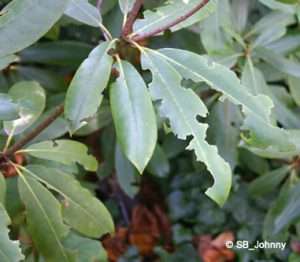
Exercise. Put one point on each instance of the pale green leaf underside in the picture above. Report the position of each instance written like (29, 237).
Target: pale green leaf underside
(81, 210)
(126, 5)
(84, 12)
(9, 249)
(44, 219)
(24, 22)
(84, 95)
(133, 115)
(257, 108)
(164, 15)
(181, 107)
(31, 99)
(67, 152)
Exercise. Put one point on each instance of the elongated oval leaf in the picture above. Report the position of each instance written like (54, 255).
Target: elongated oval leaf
(9, 249)
(84, 95)
(24, 22)
(31, 99)
(44, 219)
(126, 173)
(291, 211)
(182, 106)
(162, 16)
(81, 210)
(133, 116)
(67, 152)
(8, 109)
(84, 12)
(268, 182)
(88, 250)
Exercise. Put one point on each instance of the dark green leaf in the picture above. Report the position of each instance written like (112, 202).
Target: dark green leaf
(126, 173)
(44, 219)
(81, 210)
(84, 95)
(133, 115)
(23, 22)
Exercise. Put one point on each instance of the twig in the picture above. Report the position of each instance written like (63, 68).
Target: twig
(128, 27)
(34, 133)
(178, 20)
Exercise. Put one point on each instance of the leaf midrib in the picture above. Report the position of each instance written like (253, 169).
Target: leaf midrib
(63, 194)
(207, 81)
(179, 107)
(46, 217)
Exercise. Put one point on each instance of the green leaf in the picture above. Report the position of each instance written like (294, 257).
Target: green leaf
(81, 210)
(9, 250)
(84, 95)
(288, 1)
(272, 151)
(294, 86)
(159, 164)
(271, 136)
(279, 62)
(88, 250)
(276, 5)
(257, 108)
(67, 152)
(8, 109)
(31, 99)
(164, 15)
(84, 12)
(24, 22)
(224, 121)
(61, 53)
(126, 5)
(213, 35)
(126, 173)
(285, 109)
(291, 211)
(2, 188)
(182, 107)
(133, 116)
(275, 209)
(268, 182)
(44, 219)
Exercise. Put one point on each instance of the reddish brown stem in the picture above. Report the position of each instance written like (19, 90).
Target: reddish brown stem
(128, 27)
(34, 133)
(180, 19)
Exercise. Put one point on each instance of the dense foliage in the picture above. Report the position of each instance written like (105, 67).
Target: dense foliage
(149, 130)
